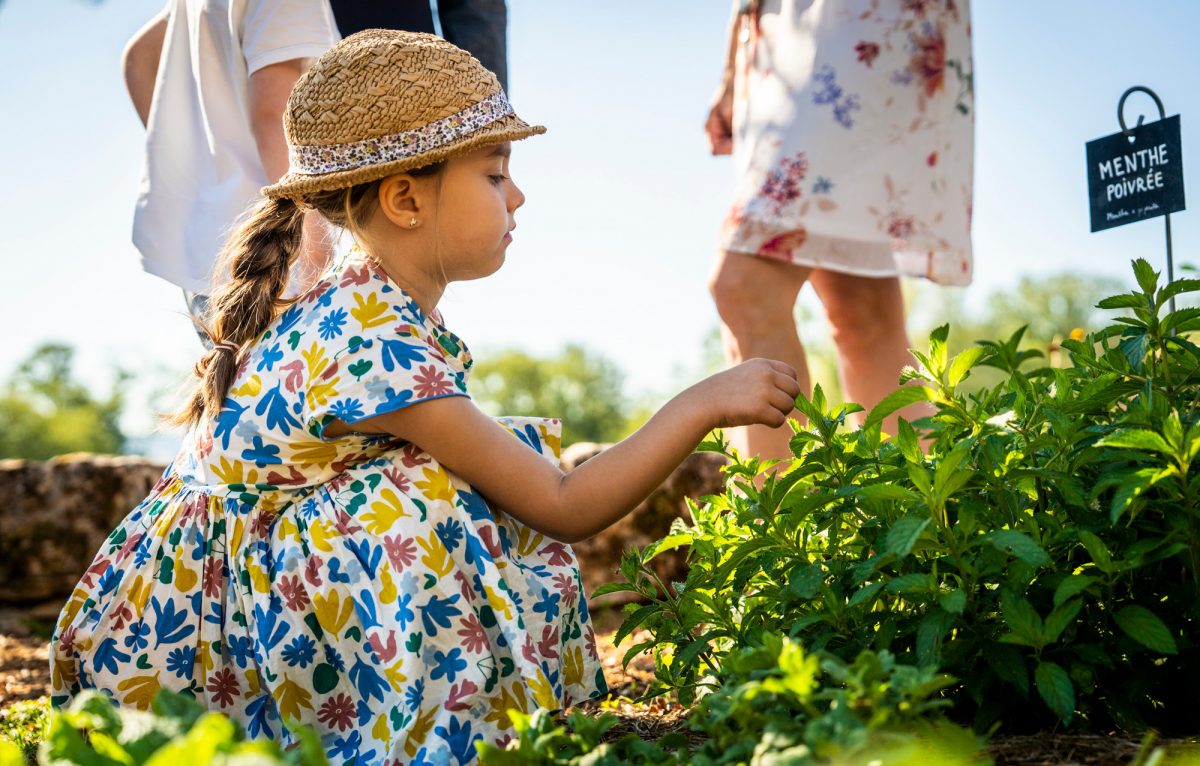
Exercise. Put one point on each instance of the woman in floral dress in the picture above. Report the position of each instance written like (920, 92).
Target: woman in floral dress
(851, 128)
(344, 539)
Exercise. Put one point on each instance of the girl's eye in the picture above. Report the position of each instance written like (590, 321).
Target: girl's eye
(498, 179)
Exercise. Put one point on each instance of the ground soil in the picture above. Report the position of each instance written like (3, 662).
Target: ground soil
(24, 674)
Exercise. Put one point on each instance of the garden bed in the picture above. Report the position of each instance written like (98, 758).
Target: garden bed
(24, 675)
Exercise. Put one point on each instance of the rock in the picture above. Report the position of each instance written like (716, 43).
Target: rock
(55, 514)
(600, 556)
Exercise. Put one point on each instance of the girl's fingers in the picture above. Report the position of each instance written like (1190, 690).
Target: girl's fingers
(782, 402)
(792, 386)
(787, 384)
(783, 367)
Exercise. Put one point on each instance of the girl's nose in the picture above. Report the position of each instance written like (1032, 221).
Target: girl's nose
(516, 198)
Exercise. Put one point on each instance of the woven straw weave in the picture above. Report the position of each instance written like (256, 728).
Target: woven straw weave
(381, 82)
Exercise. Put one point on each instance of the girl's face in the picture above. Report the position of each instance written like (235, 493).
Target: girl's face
(474, 216)
(463, 217)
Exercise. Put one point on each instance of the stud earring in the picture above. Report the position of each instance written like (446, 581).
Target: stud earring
(412, 223)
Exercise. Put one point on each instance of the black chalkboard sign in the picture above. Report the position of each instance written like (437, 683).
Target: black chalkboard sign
(1134, 180)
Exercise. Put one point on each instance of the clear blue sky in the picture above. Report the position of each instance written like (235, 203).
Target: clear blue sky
(616, 240)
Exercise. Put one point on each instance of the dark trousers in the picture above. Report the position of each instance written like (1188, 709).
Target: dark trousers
(477, 26)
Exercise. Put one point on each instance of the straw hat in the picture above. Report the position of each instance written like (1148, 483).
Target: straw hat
(381, 102)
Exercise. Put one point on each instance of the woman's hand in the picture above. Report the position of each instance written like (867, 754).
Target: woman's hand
(719, 125)
(755, 391)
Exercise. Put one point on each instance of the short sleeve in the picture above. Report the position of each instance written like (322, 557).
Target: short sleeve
(281, 30)
(376, 375)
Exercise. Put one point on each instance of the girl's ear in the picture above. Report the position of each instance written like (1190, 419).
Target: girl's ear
(399, 200)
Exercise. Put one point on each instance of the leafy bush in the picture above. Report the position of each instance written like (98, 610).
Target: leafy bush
(47, 412)
(773, 706)
(24, 724)
(582, 388)
(179, 732)
(1038, 539)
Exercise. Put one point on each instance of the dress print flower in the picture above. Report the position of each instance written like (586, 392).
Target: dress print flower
(782, 185)
(338, 712)
(867, 51)
(432, 382)
(223, 687)
(828, 92)
(781, 246)
(474, 638)
(928, 62)
(331, 325)
(900, 226)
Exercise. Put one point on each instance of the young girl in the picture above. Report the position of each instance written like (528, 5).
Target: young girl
(344, 539)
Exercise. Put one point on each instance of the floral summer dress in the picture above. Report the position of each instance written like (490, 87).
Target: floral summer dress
(350, 582)
(853, 136)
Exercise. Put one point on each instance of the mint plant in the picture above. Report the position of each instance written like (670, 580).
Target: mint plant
(776, 703)
(1037, 539)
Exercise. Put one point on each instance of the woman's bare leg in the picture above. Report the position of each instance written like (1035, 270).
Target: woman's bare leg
(867, 318)
(756, 298)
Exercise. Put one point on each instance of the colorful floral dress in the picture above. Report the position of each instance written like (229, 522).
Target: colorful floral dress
(351, 582)
(853, 136)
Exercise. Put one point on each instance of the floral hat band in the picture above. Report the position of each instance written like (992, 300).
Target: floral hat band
(315, 160)
(382, 102)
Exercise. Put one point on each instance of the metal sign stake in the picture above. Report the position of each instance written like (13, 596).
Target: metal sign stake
(1162, 113)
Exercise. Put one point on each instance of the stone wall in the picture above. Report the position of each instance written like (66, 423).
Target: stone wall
(55, 514)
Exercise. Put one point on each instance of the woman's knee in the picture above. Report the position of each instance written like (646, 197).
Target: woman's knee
(862, 310)
(750, 298)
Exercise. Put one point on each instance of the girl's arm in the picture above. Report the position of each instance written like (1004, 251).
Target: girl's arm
(574, 506)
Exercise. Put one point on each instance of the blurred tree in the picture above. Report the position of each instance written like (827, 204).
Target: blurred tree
(1051, 307)
(45, 412)
(581, 388)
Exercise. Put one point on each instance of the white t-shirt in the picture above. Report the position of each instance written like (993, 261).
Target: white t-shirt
(202, 167)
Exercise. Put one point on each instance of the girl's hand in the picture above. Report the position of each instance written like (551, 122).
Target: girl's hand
(755, 391)
(719, 125)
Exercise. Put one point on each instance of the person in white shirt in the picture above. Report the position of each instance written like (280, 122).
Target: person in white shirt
(210, 80)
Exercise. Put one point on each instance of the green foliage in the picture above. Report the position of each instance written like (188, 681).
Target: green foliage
(47, 412)
(778, 701)
(179, 732)
(582, 388)
(1038, 539)
(775, 704)
(24, 724)
(543, 742)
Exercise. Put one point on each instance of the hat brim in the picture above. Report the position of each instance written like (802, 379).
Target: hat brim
(297, 185)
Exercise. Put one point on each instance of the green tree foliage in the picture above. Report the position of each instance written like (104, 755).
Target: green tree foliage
(582, 388)
(45, 411)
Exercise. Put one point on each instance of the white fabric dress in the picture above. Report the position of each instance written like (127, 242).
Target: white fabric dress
(853, 137)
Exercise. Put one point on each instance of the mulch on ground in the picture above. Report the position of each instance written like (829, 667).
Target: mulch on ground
(25, 674)
(24, 668)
